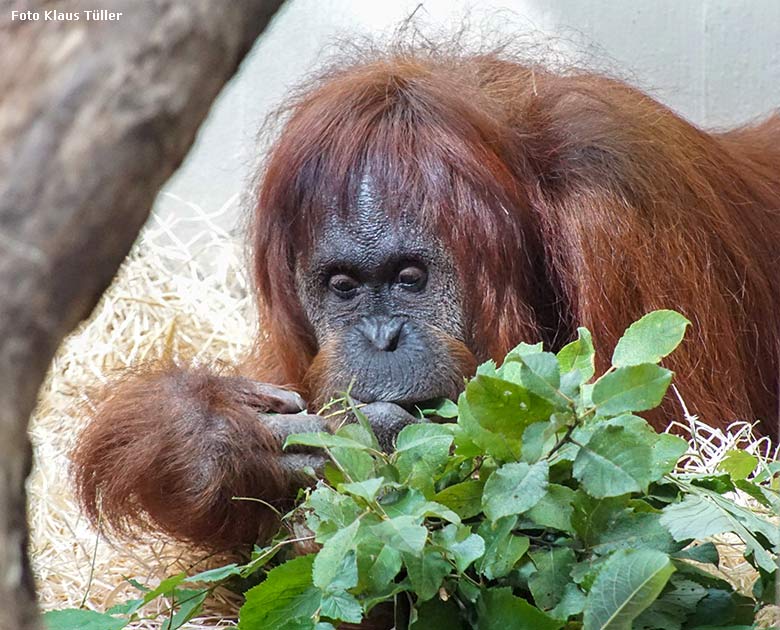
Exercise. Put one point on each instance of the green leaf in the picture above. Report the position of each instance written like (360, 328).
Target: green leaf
(765, 588)
(676, 603)
(703, 576)
(286, 594)
(706, 553)
(445, 409)
(333, 508)
(524, 349)
(769, 470)
(585, 572)
(586, 398)
(514, 488)
(554, 509)
(722, 607)
(436, 614)
(137, 585)
(667, 451)
(475, 440)
(707, 514)
(421, 450)
(359, 431)
(425, 436)
(685, 591)
(129, 607)
(366, 490)
(302, 623)
(337, 559)
(355, 464)
(540, 438)
(510, 368)
(540, 374)
(465, 498)
(614, 462)
(751, 522)
(324, 440)
(259, 558)
(695, 518)
(661, 614)
(721, 627)
(632, 530)
(572, 602)
(720, 484)
(426, 572)
(628, 389)
(499, 609)
(189, 603)
(579, 355)
(488, 368)
(738, 464)
(341, 606)
(650, 339)
(403, 533)
(77, 619)
(763, 495)
(591, 517)
(461, 545)
(467, 551)
(571, 387)
(166, 587)
(216, 575)
(468, 591)
(346, 576)
(626, 585)
(412, 503)
(504, 407)
(553, 573)
(378, 565)
(502, 548)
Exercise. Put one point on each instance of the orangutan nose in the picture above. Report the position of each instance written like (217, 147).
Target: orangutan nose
(383, 332)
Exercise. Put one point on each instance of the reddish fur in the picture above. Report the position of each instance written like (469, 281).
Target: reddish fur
(162, 451)
(548, 187)
(566, 200)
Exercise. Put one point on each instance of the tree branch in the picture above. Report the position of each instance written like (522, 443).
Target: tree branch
(94, 118)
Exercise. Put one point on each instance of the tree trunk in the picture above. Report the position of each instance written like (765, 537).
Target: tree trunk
(94, 117)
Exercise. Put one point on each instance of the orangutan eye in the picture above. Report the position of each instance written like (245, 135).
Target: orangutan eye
(412, 278)
(343, 285)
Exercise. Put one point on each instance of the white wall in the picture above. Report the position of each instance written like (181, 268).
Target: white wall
(717, 62)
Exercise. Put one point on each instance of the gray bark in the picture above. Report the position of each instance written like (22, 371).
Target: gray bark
(94, 117)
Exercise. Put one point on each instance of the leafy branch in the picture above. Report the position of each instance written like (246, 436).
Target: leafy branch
(549, 504)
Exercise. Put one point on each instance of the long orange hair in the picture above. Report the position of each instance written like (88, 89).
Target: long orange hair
(572, 200)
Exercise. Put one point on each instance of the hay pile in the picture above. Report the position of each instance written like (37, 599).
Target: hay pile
(189, 297)
(185, 296)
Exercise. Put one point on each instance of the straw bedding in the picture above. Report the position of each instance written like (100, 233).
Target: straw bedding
(182, 295)
(190, 298)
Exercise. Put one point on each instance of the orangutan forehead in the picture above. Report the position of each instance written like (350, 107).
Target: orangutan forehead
(371, 211)
(373, 229)
(370, 238)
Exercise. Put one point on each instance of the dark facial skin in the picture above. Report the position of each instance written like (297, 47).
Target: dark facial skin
(386, 306)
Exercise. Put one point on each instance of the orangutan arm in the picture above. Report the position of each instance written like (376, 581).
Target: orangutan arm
(169, 451)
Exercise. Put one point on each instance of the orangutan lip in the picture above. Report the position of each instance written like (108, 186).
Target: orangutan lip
(412, 405)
